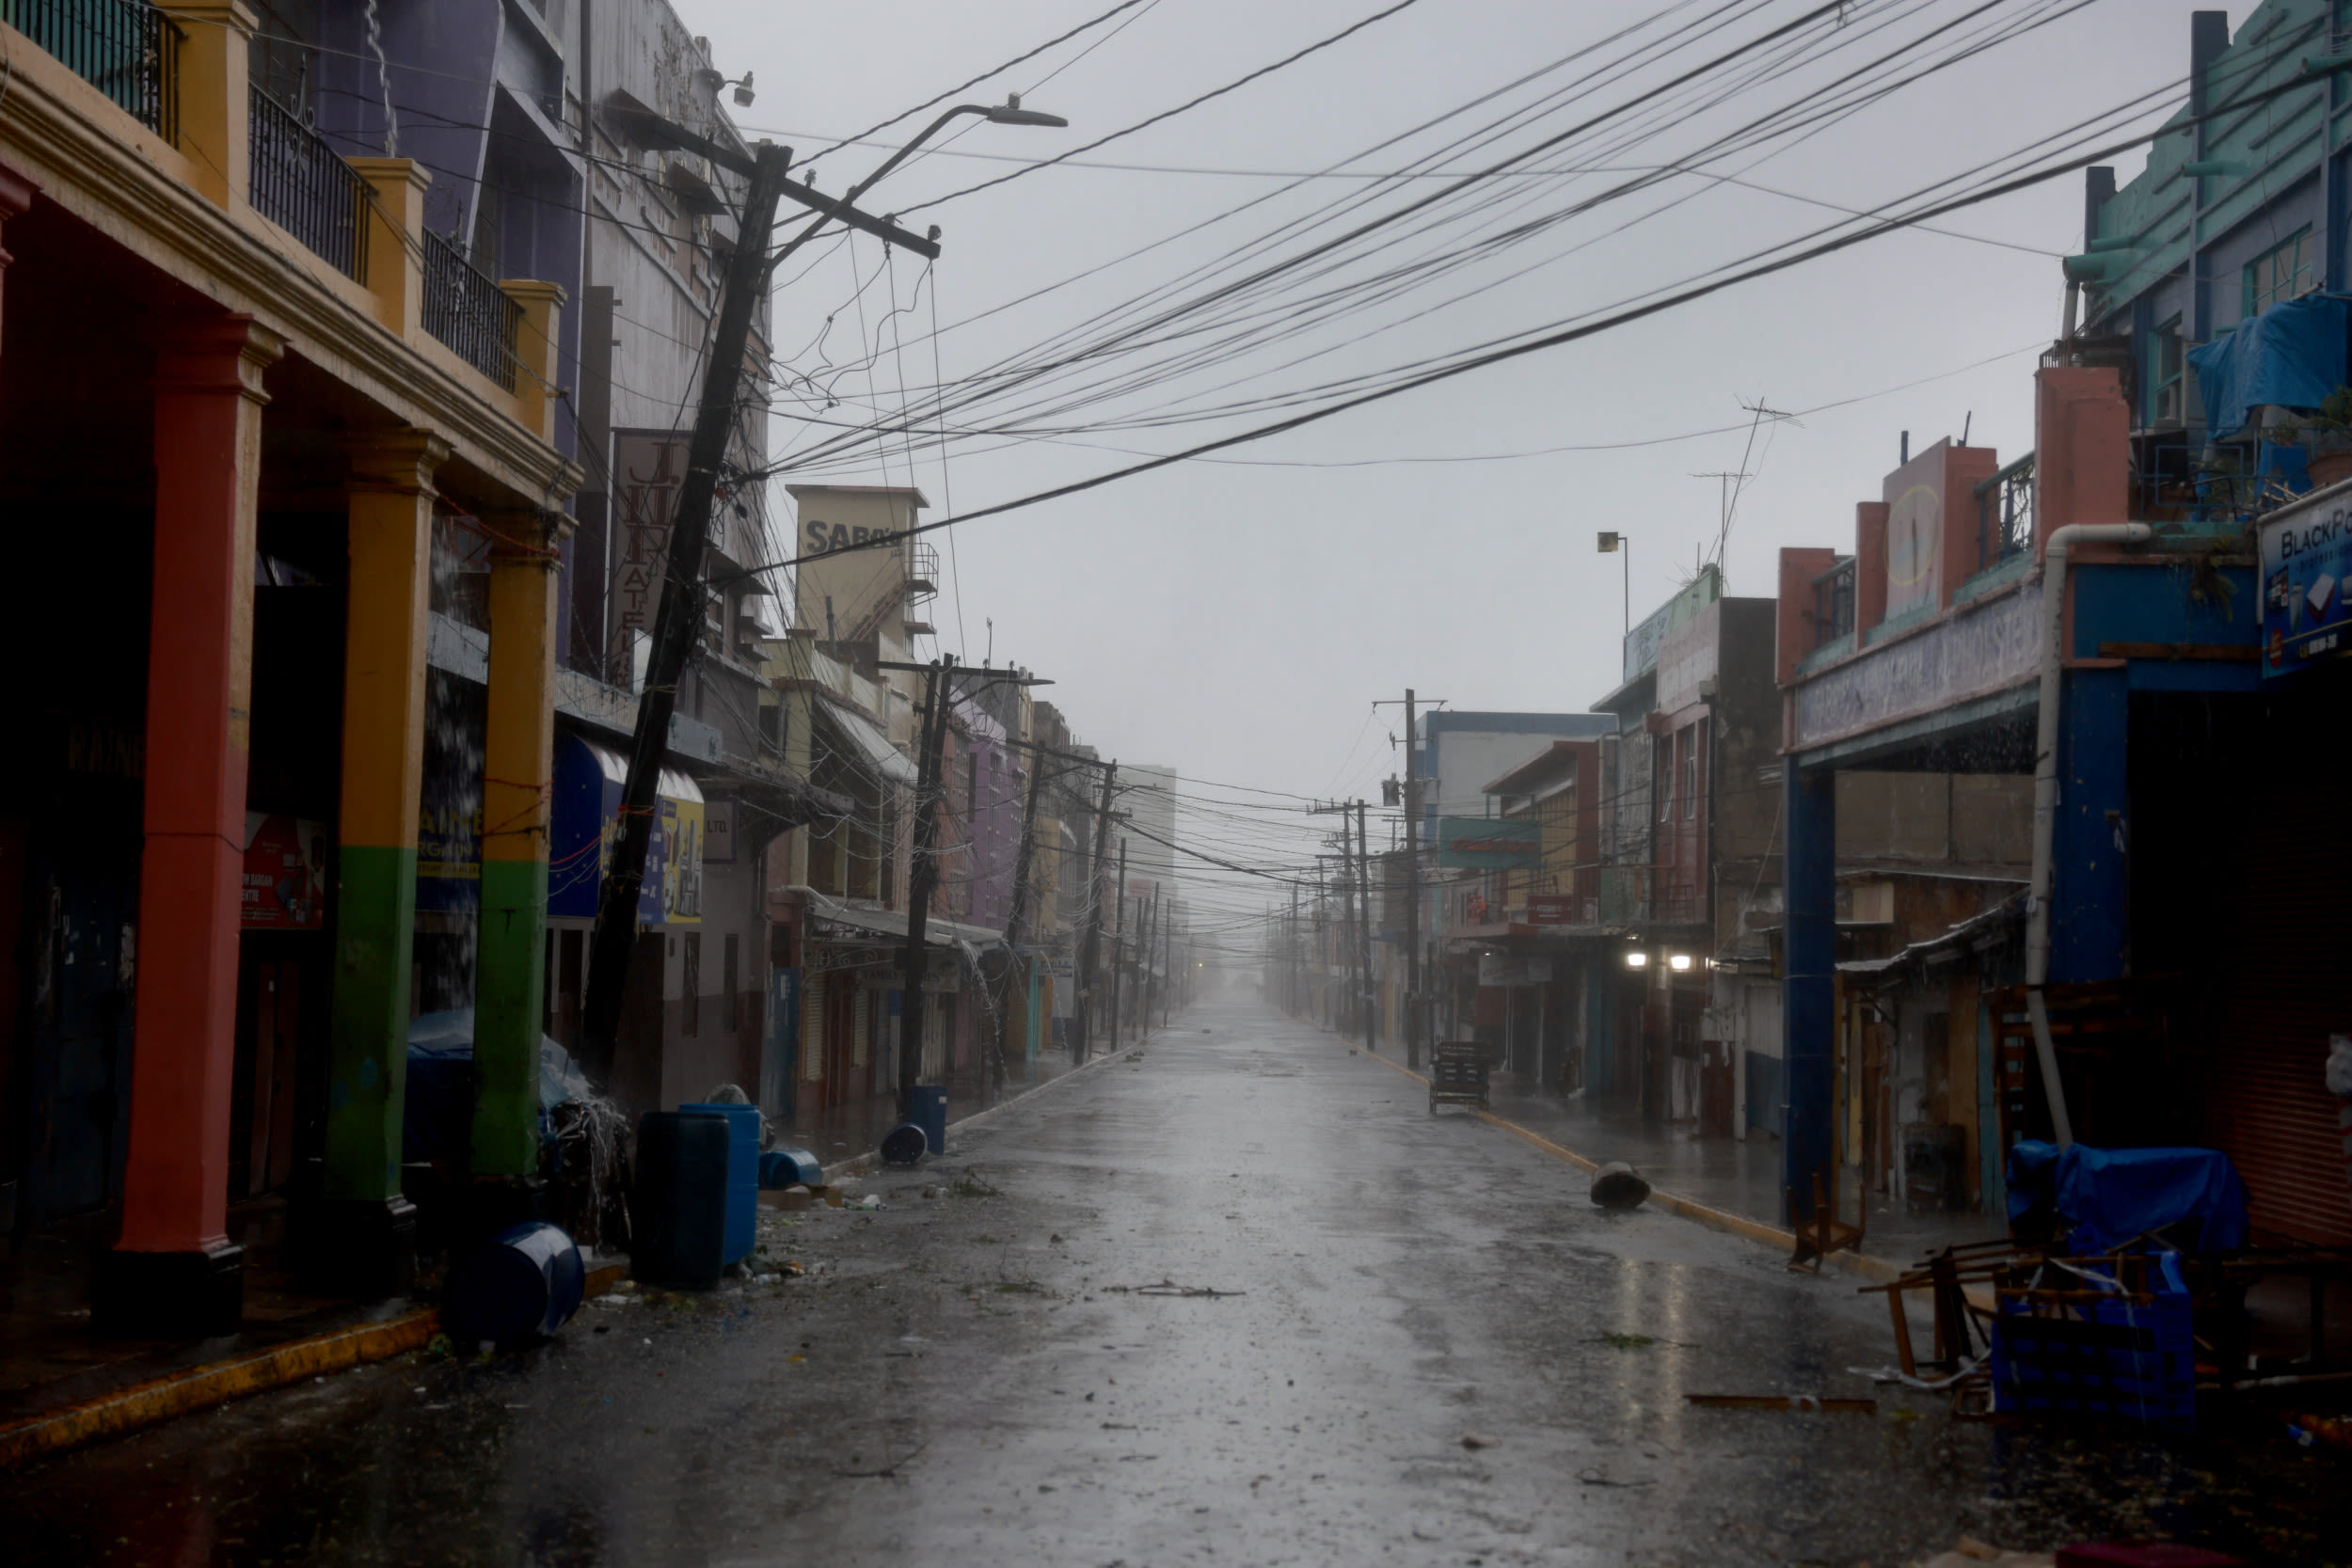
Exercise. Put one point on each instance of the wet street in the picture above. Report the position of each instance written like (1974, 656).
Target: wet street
(1240, 1300)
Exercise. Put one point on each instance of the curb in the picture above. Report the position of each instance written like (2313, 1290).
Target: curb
(1875, 1269)
(149, 1404)
(872, 1160)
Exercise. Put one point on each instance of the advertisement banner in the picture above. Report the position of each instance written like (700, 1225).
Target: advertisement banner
(1484, 844)
(285, 874)
(680, 840)
(2306, 557)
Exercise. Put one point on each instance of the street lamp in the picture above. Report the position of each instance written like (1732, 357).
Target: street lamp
(1678, 963)
(1616, 544)
(1636, 959)
(1007, 112)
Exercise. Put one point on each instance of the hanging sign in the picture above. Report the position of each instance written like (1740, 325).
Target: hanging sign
(649, 472)
(2306, 557)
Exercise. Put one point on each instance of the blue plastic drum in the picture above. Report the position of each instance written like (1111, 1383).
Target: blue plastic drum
(527, 1282)
(790, 1168)
(927, 1107)
(903, 1144)
(742, 1176)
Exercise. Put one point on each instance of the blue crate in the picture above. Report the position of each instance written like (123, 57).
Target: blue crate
(2133, 1360)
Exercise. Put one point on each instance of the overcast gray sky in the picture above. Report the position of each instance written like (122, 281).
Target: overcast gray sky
(1236, 618)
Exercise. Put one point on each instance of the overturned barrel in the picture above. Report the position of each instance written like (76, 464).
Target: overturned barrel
(790, 1168)
(903, 1144)
(528, 1281)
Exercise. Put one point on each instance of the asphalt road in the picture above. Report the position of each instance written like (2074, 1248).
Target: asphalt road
(1424, 1345)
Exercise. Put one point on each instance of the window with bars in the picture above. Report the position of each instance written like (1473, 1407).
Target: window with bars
(2283, 271)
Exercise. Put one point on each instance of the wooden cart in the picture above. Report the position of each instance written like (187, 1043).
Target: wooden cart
(1457, 1075)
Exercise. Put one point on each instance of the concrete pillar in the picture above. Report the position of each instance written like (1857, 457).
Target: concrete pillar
(538, 364)
(174, 1272)
(216, 105)
(395, 239)
(1808, 986)
(364, 1237)
(517, 772)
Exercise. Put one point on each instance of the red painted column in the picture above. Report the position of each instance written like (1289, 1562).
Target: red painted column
(174, 1272)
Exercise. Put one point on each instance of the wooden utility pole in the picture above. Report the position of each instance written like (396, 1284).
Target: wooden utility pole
(1145, 985)
(1019, 913)
(678, 620)
(1091, 946)
(1363, 932)
(1168, 967)
(1119, 943)
(923, 876)
(1412, 886)
(1290, 948)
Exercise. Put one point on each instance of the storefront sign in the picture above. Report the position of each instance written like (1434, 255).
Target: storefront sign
(1914, 532)
(1973, 653)
(587, 802)
(285, 874)
(1485, 843)
(718, 833)
(1643, 642)
(1557, 908)
(2306, 557)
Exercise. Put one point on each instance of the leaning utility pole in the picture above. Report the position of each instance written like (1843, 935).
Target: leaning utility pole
(1363, 932)
(1091, 947)
(1290, 992)
(1167, 966)
(1412, 887)
(1019, 913)
(678, 621)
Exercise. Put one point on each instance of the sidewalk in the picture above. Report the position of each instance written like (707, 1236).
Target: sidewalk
(60, 1384)
(844, 1132)
(1740, 1177)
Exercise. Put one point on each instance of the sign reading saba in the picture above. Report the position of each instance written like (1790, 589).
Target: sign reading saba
(2306, 557)
(1482, 844)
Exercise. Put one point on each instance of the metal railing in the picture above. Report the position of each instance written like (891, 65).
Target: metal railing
(1833, 604)
(303, 185)
(2005, 514)
(465, 308)
(922, 569)
(125, 49)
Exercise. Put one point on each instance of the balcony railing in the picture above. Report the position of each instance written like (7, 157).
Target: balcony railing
(922, 570)
(1833, 604)
(127, 49)
(465, 308)
(303, 185)
(2005, 514)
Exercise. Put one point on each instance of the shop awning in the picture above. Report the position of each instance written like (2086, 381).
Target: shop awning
(867, 746)
(892, 924)
(587, 799)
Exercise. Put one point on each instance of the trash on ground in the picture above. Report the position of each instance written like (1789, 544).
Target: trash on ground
(1618, 1185)
(1169, 1287)
(1474, 1440)
(1815, 1403)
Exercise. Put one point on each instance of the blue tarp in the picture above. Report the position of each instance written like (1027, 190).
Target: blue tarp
(437, 1114)
(2111, 1196)
(2292, 354)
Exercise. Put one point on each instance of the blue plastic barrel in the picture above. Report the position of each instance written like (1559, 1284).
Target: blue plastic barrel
(742, 1176)
(927, 1107)
(528, 1281)
(790, 1168)
(903, 1144)
(678, 1211)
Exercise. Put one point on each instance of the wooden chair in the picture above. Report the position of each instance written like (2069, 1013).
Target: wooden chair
(1824, 1232)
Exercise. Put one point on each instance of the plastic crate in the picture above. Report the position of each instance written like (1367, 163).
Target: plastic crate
(2085, 1350)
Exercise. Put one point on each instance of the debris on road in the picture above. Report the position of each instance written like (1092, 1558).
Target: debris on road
(1816, 1403)
(1169, 1287)
(1618, 1185)
(1476, 1440)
